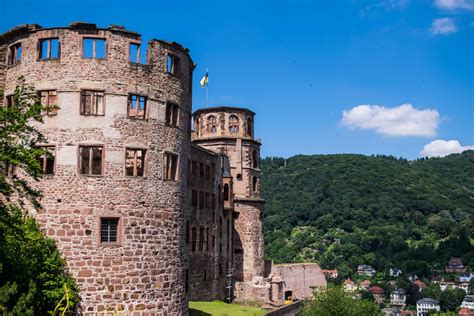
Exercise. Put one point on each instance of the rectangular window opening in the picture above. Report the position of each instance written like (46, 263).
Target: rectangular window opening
(14, 54)
(90, 160)
(49, 99)
(93, 48)
(49, 48)
(134, 53)
(173, 65)
(92, 103)
(46, 160)
(135, 162)
(172, 113)
(109, 230)
(171, 166)
(137, 106)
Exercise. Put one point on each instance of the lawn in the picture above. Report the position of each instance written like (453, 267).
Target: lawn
(219, 308)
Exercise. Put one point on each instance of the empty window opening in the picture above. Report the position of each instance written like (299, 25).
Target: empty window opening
(92, 102)
(109, 230)
(213, 171)
(201, 170)
(212, 124)
(90, 160)
(226, 192)
(46, 160)
(93, 48)
(186, 280)
(239, 176)
(204, 277)
(49, 100)
(136, 106)
(201, 238)
(135, 162)
(172, 113)
(249, 127)
(206, 240)
(8, 170)
(207, 199)
(193, 238)
(201, 200)
(10, 101)
(254, 183)
(233, 124)
(49, 48)
(171, 166)
(255, 159)
(173, 65)
(208, 172)
(194, 198)
(213, 203)
(195, 168)
(238, 251)
(134, 53)
(14, 54)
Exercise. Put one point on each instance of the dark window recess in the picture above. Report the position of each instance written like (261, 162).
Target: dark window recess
(90, 160)
(213, 171)
(172, 114)
(108, 230)
(195, 168)
(8, 170)
(49, 99)
(208, 172)
(10, 101)
(171, 166)
(249, 127)
(238, 251)
(255, 159)
(46, 160)
(226, 192)
(201, 170)
(201, 238)
(134, 53)
(254, 184)
(212, 124)
(93, 48)
(204, 277)
(92, 102)
(136, 106)
(193, 238)
(194, 198)
(233, 124)
(201, 200)
(14, 54)
(173, 65)
(49, 48)
(135, 162)
(188, 233)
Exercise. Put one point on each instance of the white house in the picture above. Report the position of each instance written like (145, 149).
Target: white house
(466, 277)
(468, 302)
(395, 272)
(398, 297)
(425, 305)
(366, 270)
(447, 284)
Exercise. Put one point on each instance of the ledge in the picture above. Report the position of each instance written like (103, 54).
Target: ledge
(248, 199)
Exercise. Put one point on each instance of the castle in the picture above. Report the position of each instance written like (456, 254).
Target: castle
(148, 212)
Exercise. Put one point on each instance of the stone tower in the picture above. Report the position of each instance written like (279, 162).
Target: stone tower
(115, 194)
(229, 130)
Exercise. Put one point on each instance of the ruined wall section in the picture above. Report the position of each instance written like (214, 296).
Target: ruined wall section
(145, 270)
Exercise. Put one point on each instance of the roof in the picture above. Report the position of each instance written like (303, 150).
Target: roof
(348, 281)
(222, 108)
(427, 301)
(376, 290)
(365, 282)
(420, 283)
(469, 298)
(329, 271)
(465, 312)
(455, 262)
(399, 291)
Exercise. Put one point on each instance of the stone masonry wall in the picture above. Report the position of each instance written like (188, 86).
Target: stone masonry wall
(144, 273)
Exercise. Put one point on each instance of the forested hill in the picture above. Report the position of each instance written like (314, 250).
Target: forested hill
(345, 210)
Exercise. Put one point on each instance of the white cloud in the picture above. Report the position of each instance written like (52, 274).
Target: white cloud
(443, 26)
(454, 4)
(441, 148)
(403, 120)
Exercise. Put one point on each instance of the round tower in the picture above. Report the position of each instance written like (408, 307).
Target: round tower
(230, 130)
(115, 192)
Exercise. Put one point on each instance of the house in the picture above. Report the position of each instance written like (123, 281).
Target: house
(465, 312)
(468, 302)
(365, 284)
(464, 287)
(466, 277)
(421, 284)
(455, 265)
(447, 284)
(395, 272)
(350, 286)
(407, 313)
(377, 292)
(398, 297)
(436, 279)
(330, 274)
(366, 270)
(425, 305)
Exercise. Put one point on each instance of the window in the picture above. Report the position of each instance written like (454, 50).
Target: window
(173, 65)
(194, 198)
(206, 240)
(109, 230)
(226, 192)
(90, 160)
(201, 238)
(134, 53)
(46, 160)
(14, 54)
(201, 200)
(213, 171)
(201, 170)
(254, 183)
(49, 48)
(249, 127)
(93, 48)
(207, 173)
(9, 101)
(212, 124)
(171, 166)
(204, 277)
(193, 238)
(135, 162)
(136, 106)
(213, 203)
(195, 168)
(49, 99)
(207, 200)
(172, 112)
(8, 170)
(188, 233)
(92, 102)
(233, 124)
(255, 159)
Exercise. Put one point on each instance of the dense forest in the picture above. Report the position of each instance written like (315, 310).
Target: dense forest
(345, 210)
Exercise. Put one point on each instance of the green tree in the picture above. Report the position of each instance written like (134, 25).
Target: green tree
(32, 271)
(451, 299)
(336, 302)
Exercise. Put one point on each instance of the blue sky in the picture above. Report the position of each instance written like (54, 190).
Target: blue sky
(300, 64)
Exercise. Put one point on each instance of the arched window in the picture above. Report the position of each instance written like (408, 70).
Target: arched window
(249, 127)
(254, 183)
(211, 124)
(226, 192)
(255, 159)
(233, 124)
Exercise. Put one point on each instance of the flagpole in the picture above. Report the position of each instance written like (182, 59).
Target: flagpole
(207, 89)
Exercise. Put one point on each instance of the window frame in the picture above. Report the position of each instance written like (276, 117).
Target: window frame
(93, 96)
(173, 65)
(136, 112)
(138, 56)
(135, 169)
(48, 53)
(118, 242)
(12, 54)
(234, 125)
(44, 159)
(48, 91)
(94, 47)
(172, 114)
(79, 161)
(168, 169)
(212, 124)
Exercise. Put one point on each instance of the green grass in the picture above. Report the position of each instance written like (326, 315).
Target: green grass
(219, 308)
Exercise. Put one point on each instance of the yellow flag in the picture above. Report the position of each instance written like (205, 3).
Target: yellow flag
(205, 80)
